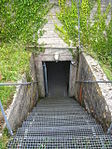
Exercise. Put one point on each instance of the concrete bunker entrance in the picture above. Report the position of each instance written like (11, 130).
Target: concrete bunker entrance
(56, 78)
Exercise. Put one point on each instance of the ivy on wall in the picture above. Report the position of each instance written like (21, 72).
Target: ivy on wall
(21, 19)
(96, 36)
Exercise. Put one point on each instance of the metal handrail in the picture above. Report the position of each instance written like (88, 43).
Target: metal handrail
(77, 81)
(109, 129)
(5, 118)
(1, 106)
(90, 81)
(17, 84)
(48, 47)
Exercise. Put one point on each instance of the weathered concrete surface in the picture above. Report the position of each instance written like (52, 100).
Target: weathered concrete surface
(33, 68)
(72, 79)
(97, 98)
(52, 44)
(24, 100)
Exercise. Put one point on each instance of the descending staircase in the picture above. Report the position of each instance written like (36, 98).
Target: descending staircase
(60, 123)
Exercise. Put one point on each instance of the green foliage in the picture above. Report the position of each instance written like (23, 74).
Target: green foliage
(95, 37)
(14, 61)
(69, 18)
(4, 140)
(62, 3)
(84, 25)
(20, 20)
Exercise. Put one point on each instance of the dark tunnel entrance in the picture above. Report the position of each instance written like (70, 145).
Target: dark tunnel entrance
(56, 78)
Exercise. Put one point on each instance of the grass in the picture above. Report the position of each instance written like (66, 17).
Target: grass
(107, 70)
(14, 61)
(4, 140)
(15, 34)
(105, 66)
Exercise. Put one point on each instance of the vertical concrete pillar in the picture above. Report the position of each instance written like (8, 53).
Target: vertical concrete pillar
(72, 78)
(40, 79)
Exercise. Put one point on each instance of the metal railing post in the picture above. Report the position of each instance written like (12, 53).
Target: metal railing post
(5, 118)
(109, 129)
(111, 9)
(45, 77)
(78, 6)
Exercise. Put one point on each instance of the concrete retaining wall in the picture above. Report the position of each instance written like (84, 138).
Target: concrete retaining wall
(24, 100)
(97, 98)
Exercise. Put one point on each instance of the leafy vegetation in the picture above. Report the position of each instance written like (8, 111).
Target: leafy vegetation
(96, 37)
(20, 25)
(4, 139)
(14, 61)
(20, 22)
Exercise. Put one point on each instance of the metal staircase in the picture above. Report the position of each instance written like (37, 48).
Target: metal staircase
(60, 123)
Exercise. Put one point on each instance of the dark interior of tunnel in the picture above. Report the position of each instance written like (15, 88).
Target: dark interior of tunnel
(58, 78)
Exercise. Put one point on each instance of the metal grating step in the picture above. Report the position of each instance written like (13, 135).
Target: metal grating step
(69, 118)
(59, 110)
(51, 100)
(51, 103)
(76, 114)
(63, 102)
(56, 113)
(98, 142)
(61, 131)
(69, 107)
(56, 103)
(60, 106)
(58, 123)
(61, 124)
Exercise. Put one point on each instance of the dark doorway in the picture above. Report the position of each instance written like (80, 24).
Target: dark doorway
(58, 78)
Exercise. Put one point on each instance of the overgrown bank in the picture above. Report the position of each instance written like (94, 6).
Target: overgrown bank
(96, 37)
(20, 25)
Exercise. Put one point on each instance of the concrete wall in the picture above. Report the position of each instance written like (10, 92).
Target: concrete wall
(48, 56)
(97, 98)
(72, 79)
(24, 100)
